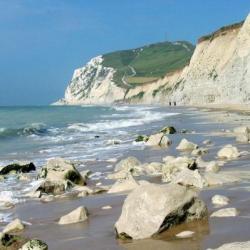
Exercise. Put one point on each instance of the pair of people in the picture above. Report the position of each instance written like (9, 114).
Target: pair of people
(174, 103)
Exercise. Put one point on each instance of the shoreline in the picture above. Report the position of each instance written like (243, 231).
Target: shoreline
(98, 232)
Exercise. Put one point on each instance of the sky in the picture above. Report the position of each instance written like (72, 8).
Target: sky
(43, 41)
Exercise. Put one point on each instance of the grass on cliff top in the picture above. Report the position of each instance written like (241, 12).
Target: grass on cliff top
(152, 61)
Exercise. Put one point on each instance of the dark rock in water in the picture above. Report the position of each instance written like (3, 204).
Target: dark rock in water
(168, 130)
(54, 187)
(11, 242)
(97, 136)
(18, 168)
(141, 138)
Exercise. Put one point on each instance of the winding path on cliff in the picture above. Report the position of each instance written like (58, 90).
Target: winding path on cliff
(124, 77)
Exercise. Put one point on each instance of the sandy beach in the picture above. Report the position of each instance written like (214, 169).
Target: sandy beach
(98, 231)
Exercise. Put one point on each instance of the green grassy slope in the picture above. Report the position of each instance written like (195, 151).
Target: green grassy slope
(152, 61)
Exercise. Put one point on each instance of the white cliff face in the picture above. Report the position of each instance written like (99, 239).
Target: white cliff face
(92, 84)
(218, 73)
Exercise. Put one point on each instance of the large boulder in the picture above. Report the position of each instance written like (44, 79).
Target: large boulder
(59, 169)
(122, 185)
(14, 226)
(151, 209)
(159, 139)
(228, 152)
(18, 168)
(186, 145)
(35, 245)
(78, 215)
(174, 165)
(234, 246)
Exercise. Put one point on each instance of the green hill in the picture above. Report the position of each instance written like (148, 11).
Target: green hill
(148, 63)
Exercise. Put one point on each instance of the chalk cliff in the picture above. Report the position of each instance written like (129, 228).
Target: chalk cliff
(218, 72)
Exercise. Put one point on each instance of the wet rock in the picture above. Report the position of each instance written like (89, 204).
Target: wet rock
(188, 178)
(185, 234)
(174, 165)
(127, 164)
(7, 241)
(142, 138)
(106, 207)
(78, 215)
(47, 198)
(158, 140)
(220, 200)
(113, 142)
(207, 142)
(59, 169)
(123, 185)
(35, 245)
(225, 212)
(85, 174)
(213, 167)
(153, 168)
(168, 130)
(234, 246)
(54, 187)
(151, 209)
(186, 145)
(17, 168)
(14, 226)
(228, 152)
(199, 151)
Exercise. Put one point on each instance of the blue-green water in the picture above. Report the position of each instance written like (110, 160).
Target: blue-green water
(79, 133)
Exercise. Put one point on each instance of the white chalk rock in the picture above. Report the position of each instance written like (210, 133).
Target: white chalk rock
(228, 152)
(14, 226)
(225, 212)
(220, 200)
(186, 145)
(34, 245)
(234, 246)
(78, 215)
(185, 234)
(152, 208)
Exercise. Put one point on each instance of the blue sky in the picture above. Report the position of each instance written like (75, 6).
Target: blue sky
(43, 41)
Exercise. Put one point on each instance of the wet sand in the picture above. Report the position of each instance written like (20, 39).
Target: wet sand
(98, 231)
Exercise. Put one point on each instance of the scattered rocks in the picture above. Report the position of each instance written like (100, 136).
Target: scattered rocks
(168, 130)
(122, 185)
(17, 168)
(151, 209)
(78, 215)
(158, 140)
(14, 226)
(59, 169)
(185, 234)
(35, 245)
(186, 145)
(225, 212)
(228, 152)
(220, 200)
(242, 134)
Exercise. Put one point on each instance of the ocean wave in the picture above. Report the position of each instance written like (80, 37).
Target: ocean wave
(31, 129)
(140, 118)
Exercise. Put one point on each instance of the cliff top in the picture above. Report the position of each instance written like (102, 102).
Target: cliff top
(221, 31)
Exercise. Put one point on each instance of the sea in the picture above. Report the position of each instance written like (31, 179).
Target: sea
(78, 133)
